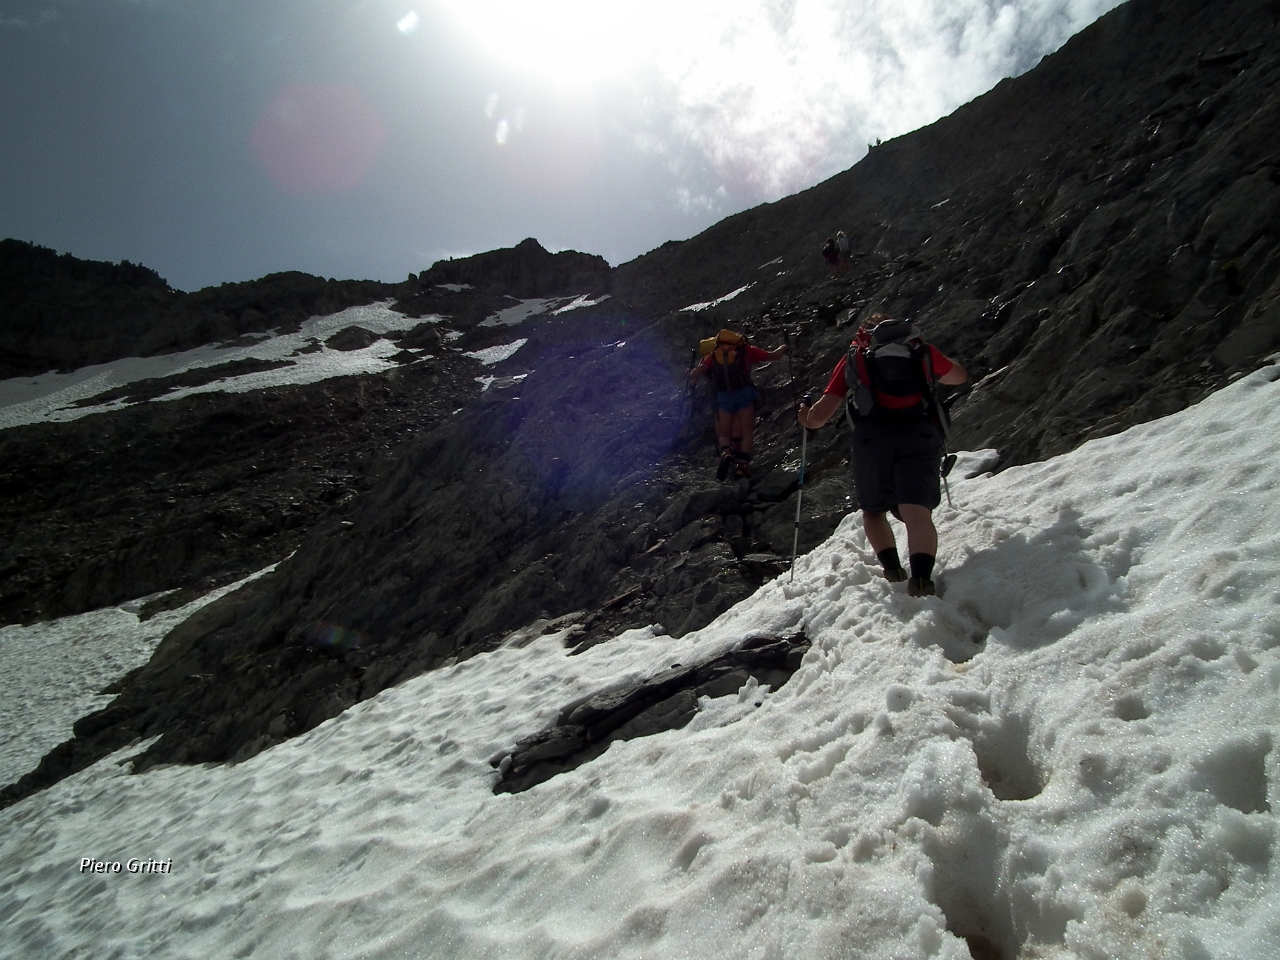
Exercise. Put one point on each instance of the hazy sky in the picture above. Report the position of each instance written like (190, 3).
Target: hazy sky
(222, 140)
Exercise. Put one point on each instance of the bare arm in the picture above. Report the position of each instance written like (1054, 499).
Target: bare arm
(813, 417)
(955, 376)
(780, 352)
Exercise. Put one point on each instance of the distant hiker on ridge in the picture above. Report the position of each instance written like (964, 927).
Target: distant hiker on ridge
(842, 252)
(897, 438)
(729, 358)
(831, 254)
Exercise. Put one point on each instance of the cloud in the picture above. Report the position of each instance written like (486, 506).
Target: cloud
(689, 202)
(766, 97)
(775, 95)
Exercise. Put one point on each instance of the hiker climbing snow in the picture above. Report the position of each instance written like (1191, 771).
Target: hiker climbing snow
(728, 358)
(898, 438)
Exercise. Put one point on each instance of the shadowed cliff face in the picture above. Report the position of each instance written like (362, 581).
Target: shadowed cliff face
(1096, 241)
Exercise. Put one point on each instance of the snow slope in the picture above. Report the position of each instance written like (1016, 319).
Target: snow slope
(52, 396)
(53, 673)
(1068, 754)
(539, 306)
(695, 307)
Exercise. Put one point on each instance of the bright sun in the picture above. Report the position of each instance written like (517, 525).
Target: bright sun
(771, 94)
(570, 44)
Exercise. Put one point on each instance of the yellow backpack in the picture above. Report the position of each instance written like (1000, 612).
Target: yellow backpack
(728, 350)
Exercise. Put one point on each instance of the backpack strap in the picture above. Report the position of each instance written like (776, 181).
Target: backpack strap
(734, 374)
(937, 412)
(857, 378)
(860, 367)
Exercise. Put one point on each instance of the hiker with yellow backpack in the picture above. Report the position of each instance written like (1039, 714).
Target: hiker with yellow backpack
(728, 358)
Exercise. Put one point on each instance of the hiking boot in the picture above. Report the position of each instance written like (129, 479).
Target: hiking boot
(920, 587)
(726, 464)
(896, 575)
(742, 471)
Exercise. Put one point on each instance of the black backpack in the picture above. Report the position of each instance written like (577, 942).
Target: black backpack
(893, 360)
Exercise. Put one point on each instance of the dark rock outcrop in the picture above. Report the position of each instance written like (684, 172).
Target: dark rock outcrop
(525, 270)
(669, 701)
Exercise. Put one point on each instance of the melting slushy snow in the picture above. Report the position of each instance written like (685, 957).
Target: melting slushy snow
(52, 396)
(1069, 754)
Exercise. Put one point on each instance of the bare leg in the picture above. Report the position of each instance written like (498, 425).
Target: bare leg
(724, 429)
(744, 422)
(879, 533)
(922, 536)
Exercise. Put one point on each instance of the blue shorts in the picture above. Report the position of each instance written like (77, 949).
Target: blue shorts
(731, 401)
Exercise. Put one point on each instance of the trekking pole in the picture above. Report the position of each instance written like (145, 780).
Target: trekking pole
(942, 415)
(791, 373)
(795, 540)
(686, 403)
(948, 461)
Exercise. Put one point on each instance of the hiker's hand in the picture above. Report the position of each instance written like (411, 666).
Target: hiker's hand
(813, 416)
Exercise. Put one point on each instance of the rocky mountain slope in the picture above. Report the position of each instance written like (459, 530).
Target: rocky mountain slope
(201, 491)
(61, 312)
(1096, 241)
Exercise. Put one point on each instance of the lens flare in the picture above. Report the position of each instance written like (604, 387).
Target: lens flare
(315, 140)
(640, 417)
(408, 23)
(332, 638)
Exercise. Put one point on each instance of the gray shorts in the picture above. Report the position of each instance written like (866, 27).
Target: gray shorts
(897, 463)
